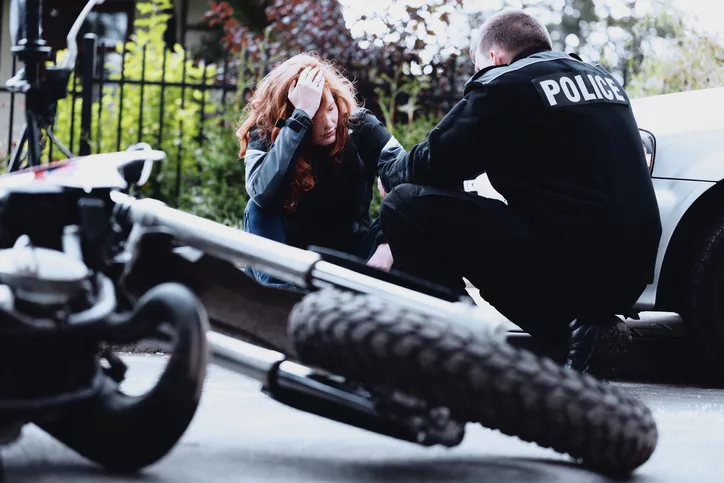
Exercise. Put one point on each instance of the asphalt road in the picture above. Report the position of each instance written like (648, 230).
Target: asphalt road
(239, 435)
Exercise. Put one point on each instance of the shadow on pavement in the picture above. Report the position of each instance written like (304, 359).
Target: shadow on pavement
(279, 467)
(459, 470)
(67, 472)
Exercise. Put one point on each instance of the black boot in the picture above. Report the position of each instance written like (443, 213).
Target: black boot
(595, 343)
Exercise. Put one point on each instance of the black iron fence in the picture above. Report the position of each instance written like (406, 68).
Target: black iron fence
(113, 103)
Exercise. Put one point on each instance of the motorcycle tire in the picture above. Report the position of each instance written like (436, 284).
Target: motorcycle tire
(479, 379)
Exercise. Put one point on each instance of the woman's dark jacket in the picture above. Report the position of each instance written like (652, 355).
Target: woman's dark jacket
(335, 213)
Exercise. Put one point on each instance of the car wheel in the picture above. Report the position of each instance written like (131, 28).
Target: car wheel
(703, 310)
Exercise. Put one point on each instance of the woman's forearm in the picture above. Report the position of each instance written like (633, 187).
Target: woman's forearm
(269, 168)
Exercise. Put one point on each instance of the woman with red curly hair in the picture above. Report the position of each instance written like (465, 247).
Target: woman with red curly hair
(310, 154)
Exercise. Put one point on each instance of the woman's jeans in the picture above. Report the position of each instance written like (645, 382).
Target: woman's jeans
(270, 225)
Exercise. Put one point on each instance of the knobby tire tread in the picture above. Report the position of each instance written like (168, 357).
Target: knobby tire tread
(480, 379)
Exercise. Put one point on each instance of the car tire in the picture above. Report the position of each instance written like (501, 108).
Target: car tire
(703, 310)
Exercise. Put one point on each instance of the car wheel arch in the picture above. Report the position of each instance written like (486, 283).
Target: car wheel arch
(703, 211)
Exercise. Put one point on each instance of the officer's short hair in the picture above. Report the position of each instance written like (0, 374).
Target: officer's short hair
(513, 31)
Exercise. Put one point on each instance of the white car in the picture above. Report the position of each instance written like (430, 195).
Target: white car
(684, 138)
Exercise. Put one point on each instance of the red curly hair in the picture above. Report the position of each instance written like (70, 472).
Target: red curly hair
(270, 103)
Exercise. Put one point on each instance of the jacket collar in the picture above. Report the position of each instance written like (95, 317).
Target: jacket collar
(520, 57)
(528, 53)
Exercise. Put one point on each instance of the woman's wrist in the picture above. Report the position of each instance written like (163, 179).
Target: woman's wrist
(301, 114)
(299, 120)
(305, 111)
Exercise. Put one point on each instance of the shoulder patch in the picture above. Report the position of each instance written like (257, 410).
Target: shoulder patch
(579, 88)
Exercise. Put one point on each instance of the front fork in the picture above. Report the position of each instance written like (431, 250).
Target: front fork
(332, 397)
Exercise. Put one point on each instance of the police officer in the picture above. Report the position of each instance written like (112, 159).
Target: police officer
(574, 242)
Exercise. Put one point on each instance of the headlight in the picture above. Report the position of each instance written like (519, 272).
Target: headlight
(649, 142)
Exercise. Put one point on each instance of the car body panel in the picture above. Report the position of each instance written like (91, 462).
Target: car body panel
(688, 128)
(689, 132)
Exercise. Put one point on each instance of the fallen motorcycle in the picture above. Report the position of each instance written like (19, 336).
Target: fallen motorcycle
(359, 349)
(86, 266)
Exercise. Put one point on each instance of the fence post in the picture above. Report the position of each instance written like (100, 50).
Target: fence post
(89, 61)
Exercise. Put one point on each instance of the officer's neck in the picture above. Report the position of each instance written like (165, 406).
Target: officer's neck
(528, 53)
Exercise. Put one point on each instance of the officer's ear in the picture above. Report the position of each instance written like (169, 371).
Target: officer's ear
(499, 57)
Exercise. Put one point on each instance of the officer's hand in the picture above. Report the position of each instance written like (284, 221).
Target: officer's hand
(381, 188)
(306, 92)
(382, 259)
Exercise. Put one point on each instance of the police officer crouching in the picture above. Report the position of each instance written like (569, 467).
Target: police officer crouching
(575, 242)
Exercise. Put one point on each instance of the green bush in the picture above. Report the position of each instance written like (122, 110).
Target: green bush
(177, 121)
(409, 133)
(218, 192)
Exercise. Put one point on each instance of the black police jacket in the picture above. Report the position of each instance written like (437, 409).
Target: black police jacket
(336, 212)
(558, 139)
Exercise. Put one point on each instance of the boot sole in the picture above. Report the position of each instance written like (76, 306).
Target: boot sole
(614, 342)
(610, 344)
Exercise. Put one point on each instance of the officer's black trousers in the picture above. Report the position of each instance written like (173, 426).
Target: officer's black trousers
(445, 235)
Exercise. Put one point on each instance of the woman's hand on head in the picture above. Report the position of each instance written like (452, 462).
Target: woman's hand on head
(306, 92)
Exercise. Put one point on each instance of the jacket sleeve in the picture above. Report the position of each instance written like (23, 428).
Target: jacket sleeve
(371, 136)
(454, 151)
(270, 168)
